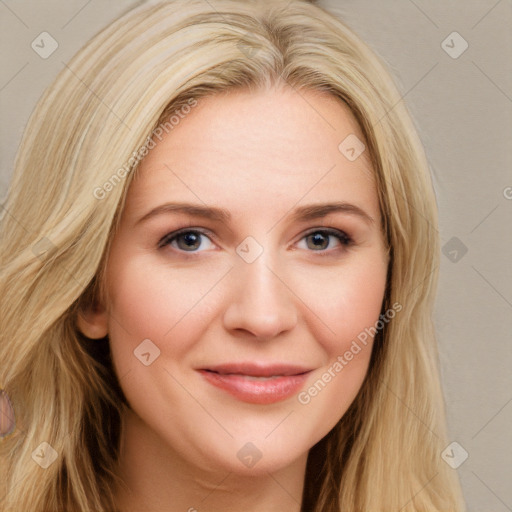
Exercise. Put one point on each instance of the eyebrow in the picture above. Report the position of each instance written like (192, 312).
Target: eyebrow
(301, 214)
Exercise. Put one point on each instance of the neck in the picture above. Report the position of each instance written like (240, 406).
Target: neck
(157, 478)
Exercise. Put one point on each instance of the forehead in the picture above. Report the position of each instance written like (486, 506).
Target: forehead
(244, 149)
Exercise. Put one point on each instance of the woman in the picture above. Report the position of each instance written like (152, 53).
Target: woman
(220, 255)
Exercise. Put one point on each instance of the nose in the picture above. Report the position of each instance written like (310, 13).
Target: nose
(260, 303)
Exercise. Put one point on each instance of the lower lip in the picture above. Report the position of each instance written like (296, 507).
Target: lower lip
(254, 391)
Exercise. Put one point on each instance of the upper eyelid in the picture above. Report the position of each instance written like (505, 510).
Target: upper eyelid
(178, 232)
(206, 232)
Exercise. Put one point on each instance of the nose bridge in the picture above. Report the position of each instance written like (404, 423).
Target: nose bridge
(259, 301)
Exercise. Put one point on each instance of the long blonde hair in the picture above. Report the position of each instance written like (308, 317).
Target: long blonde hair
(76, 161)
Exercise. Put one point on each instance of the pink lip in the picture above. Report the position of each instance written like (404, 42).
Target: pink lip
(282, 381)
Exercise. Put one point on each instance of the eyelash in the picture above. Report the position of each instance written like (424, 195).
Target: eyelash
(343, 238)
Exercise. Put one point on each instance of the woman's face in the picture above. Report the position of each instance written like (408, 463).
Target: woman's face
(233, 340)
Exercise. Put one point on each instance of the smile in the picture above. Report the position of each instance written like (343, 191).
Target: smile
(257, 384)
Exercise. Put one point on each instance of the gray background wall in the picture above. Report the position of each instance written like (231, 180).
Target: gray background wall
(461, 101)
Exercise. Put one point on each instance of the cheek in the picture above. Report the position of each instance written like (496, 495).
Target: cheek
(349, 304)
(148, 301)
(164, 306)
(347, 301)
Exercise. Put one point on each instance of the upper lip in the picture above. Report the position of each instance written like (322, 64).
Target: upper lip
(253, 369)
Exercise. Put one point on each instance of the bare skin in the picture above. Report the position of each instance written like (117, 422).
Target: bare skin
(302, 300)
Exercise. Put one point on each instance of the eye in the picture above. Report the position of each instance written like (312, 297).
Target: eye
(321, 239)
(189, 240)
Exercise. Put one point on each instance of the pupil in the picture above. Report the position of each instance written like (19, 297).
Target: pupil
(319, 240)
(191, 240)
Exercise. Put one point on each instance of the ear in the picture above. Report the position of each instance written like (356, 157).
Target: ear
(93, 322)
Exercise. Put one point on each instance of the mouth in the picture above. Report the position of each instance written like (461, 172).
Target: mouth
(257, 383)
